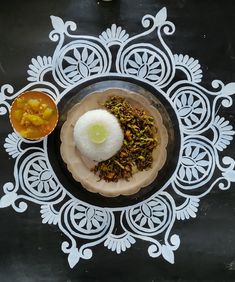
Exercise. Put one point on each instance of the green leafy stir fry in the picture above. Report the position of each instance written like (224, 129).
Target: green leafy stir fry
(139, 142)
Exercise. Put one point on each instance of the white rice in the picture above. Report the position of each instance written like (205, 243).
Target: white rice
(111, 145)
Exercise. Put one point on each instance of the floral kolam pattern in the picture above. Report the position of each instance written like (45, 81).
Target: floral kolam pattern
(200, 167)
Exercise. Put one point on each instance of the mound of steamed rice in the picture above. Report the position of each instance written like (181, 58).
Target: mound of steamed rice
(111, 145)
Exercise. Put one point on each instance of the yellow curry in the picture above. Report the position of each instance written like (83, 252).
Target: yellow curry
(33, 114)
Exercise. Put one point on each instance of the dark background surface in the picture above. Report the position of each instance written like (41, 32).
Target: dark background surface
(29, 250)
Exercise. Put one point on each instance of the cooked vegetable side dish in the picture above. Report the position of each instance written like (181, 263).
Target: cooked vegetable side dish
(33, 114)
(139, 141)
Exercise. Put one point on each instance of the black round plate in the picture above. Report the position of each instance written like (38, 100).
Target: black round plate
(170, 122)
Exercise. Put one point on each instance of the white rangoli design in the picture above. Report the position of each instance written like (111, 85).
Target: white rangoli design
(204, 135)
